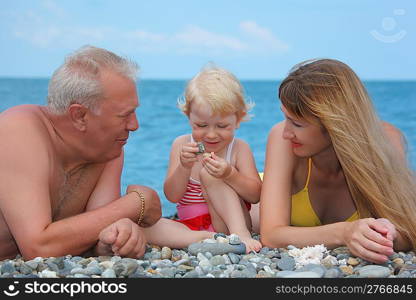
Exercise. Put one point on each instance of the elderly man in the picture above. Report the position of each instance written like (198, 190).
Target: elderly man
(61, 165)
(60, 175)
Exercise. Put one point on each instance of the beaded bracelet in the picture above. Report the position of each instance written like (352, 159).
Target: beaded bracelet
(141, 214)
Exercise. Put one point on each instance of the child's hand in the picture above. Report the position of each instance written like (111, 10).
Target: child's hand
(188, 155)
(217, 166)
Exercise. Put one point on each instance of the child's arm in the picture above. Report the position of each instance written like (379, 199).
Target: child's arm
(179, 172)
(244, 177)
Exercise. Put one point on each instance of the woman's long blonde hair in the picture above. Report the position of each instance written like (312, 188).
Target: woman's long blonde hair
(380, 181)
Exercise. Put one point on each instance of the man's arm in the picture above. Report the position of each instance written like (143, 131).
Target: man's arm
(107, 189)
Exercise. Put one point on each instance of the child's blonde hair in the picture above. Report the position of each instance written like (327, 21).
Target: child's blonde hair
(220, 89)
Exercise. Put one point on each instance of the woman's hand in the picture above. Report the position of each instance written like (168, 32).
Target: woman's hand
(188, 155)
(386, 228)
(217, 166)
(363, 238)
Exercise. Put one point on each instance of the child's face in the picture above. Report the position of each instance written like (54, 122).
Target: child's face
(214, 130)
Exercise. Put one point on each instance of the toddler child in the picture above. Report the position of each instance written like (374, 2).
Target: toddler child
(212, 175)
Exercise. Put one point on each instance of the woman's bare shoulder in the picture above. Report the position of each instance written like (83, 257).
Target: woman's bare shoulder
(277, 129)
(395, 136)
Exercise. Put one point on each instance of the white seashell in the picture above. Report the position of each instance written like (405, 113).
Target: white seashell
(234, 239)
(220, 239)
(209, 241)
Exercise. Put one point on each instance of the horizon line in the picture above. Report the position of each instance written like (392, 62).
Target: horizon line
(182, 79)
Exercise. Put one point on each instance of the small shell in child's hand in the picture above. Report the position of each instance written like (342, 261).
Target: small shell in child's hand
(201, 148)
(206, 155)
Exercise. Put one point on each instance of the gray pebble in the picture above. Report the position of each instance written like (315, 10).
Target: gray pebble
(33, 264)
(216, 248)
(166, 253)
(79, 275)
(234, 239)
(227, 260)
(294, 274)
(286, 263)
(217, 260)
(125, 268)
(342, 256)
(184, 261)
(168, 272)
(7, 267)
(25, 269)
(239, 274)
(191, 274)
(220, 234)
(234, 258)
(318, 269)
(109, 273)
(264, 250)
(332, 273)
(374, 271)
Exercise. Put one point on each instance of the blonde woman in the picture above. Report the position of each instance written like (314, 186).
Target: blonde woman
(335, 174)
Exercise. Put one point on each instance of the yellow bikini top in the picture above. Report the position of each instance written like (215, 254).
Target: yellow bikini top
(302, 210)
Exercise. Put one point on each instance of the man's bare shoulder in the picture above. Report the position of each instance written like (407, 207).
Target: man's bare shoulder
(23, 129)
(18, 117)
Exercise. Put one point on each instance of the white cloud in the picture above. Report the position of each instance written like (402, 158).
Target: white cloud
(199, 37)
(193, 39)
(53, 8)
(145, 36)
(40, 38)
(263, 35)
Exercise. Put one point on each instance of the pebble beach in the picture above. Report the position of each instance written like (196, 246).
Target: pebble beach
(222, 257)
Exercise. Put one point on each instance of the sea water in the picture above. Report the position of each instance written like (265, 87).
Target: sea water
(160, 120)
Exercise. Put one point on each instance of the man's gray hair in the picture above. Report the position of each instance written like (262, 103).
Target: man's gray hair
(78, 79)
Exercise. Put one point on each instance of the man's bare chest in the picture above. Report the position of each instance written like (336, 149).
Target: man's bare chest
(70, 192)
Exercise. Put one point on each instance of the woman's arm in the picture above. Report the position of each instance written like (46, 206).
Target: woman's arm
(398, 141)
(396, 138)
(244, 177)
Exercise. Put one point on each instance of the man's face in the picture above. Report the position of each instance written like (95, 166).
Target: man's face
(109, 128)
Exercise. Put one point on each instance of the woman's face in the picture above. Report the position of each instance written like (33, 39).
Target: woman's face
(307, 139)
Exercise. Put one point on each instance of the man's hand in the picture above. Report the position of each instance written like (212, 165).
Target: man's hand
(123, 238)
(152, 209)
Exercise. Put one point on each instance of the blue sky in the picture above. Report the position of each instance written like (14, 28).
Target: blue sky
(174, 39)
